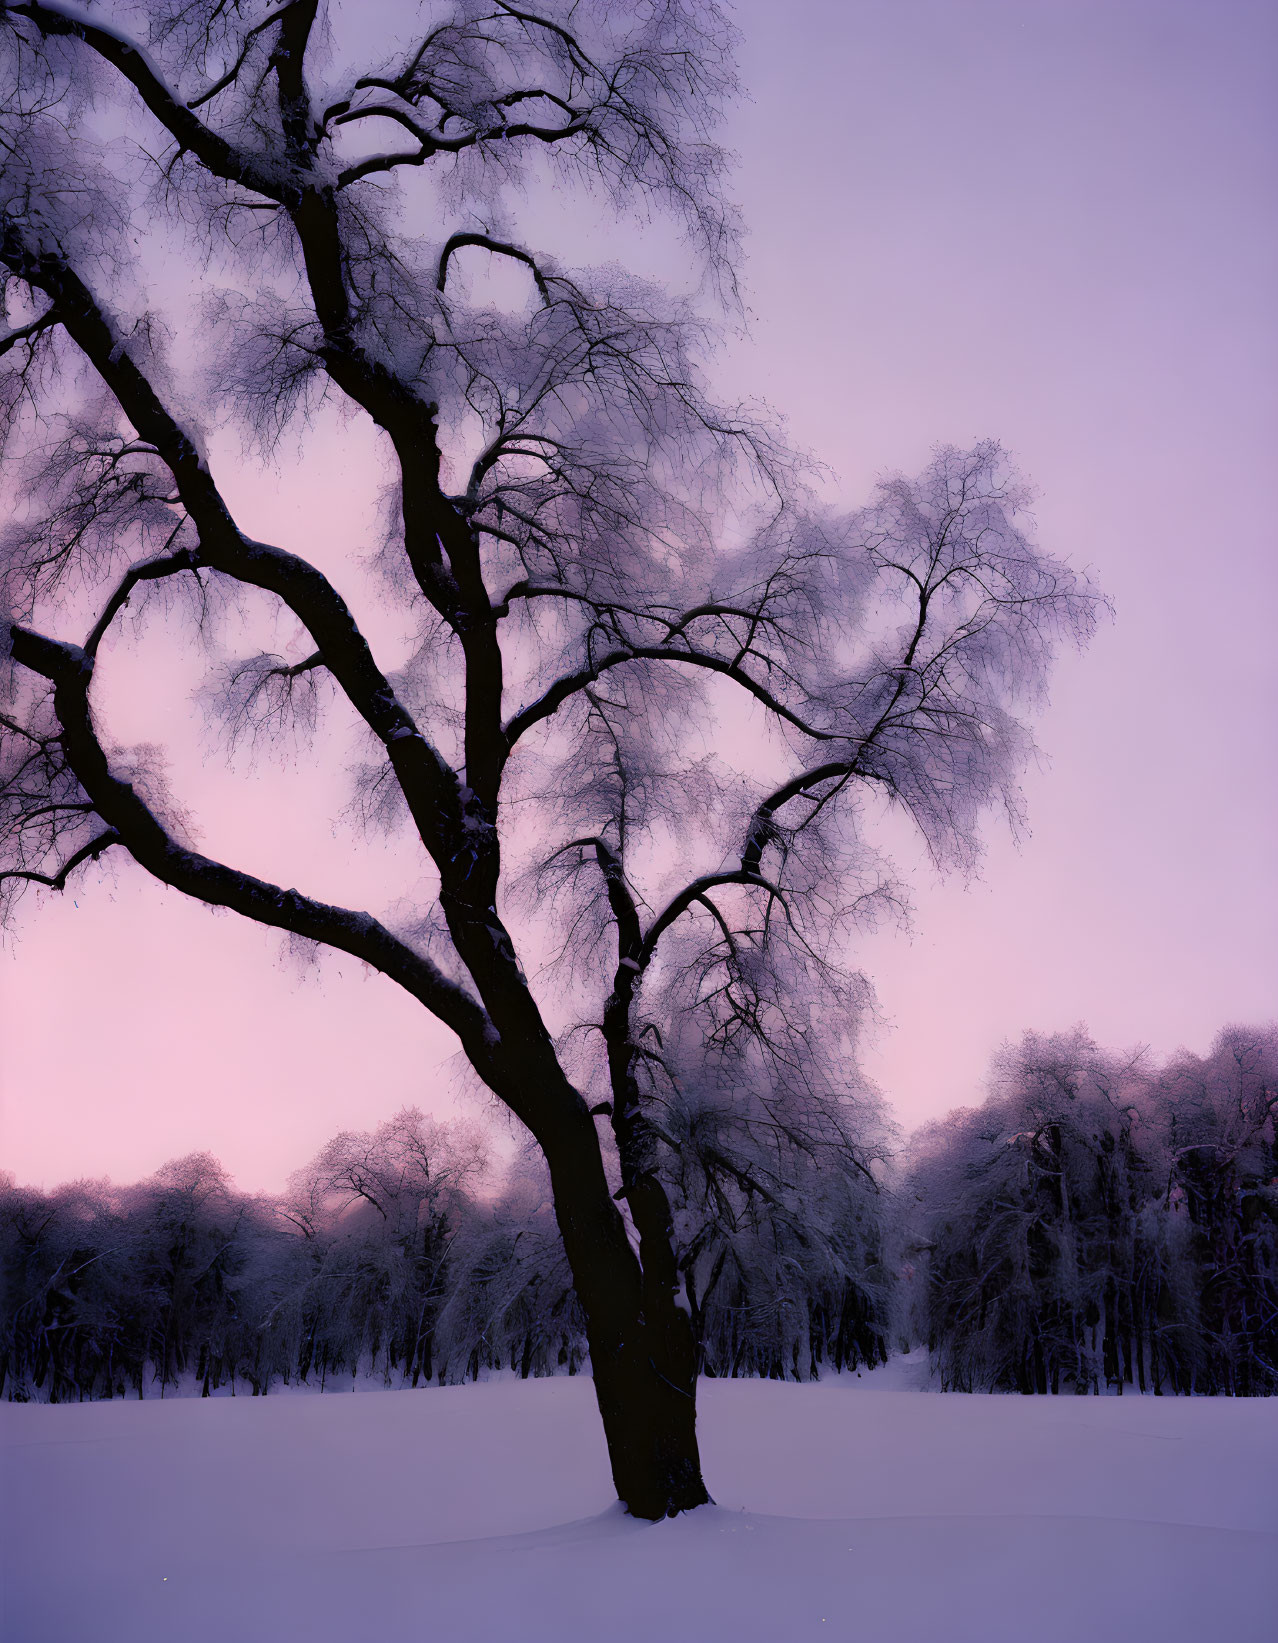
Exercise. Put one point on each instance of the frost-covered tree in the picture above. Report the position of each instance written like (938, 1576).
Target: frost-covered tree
(587, 554)
(1030, 1210)
(112, 1290)
(182, 1282)
(1217, 1119)
(382, 1211)
(771, 1161)
(1102, 1222)
(510, 1302)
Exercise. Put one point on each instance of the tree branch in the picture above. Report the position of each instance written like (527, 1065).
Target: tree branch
(499, 248)
(620, 900)
(693, 892)
(58, 881)
(295, 670)
(558, 693)
(429, 785)
(146, 570)
(250, 35)
(132, 823)
(434, 142)
(53, 17)
(760, 832)
(457, 590)
(27, 333)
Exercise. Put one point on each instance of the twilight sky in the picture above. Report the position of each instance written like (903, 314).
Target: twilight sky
(1051, 221)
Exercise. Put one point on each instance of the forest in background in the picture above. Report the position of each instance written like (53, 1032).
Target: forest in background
(1100, 1222)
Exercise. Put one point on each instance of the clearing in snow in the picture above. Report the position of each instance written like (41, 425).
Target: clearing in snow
(477, 1513)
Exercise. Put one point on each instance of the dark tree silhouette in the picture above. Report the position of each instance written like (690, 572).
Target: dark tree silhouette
(591, 553)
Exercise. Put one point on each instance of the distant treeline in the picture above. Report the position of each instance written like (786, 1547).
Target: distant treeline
(393, 1255)
(1098, 1223)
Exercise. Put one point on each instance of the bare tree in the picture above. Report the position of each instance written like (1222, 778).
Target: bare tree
(591, 551)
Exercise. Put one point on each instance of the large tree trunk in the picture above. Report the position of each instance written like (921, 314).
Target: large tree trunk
(642, 1348)
(642, 1351)
(650, 1426)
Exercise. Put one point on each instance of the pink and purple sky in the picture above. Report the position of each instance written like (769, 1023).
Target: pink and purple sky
(1051, 221)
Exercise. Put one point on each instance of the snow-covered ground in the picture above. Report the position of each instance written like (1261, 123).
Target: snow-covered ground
(846, 1510)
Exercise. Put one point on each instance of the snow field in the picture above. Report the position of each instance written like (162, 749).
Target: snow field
(478, 1513)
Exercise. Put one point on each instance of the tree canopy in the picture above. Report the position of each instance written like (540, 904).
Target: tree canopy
(585, 553)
